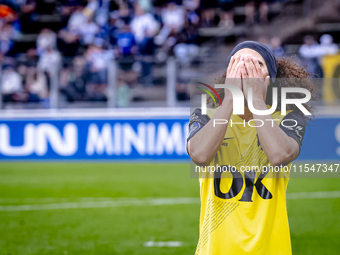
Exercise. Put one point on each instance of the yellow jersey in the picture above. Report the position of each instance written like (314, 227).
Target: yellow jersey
(243, 207)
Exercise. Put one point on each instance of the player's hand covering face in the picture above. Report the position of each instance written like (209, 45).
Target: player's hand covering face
(254, 77)
(233, 76)
(254, 73)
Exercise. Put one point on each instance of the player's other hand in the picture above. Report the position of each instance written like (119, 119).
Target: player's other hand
(233, 76)
(254, 77)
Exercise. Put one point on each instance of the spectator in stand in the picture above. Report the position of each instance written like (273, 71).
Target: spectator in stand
(8, 10)
(50, 62)
(144, 27)
(146, 5)
(227, 13)
(276, 47)
(126, 43)
(123, 95)
(68, 43)
(97, 67)
(309, 53)
(191, 5)
(310, 48)
(9, 26)
(47, 38)
(186, 50)
(207, 9)
(91, 8)
(32, 58)
(117, 20)
(69, 36)
(193, 18)
(102, 14)
(126, 48)
(27, 10)
(80, 26)
(327, 47)
(73, 80)
(261, 6)
(6, 38)
(113, 28)
(36, 85)
(11, 84)
(88, 32)
(173, 18)
(77, 20)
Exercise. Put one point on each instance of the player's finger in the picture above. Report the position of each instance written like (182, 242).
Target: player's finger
(236, 62)
(231, 63)
(249, 65)
(237, 69)
(243, 71)
(258, 68)
(237, 75)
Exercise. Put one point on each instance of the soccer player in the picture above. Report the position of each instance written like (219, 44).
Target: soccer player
(244, 212)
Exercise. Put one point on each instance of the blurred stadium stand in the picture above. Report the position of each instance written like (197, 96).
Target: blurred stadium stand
(90, 54)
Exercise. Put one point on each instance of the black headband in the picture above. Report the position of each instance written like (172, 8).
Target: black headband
(264, 51)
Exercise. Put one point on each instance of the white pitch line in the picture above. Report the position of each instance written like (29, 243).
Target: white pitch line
(101, 204)
(125, 202)
(163, 244)
(314, 195)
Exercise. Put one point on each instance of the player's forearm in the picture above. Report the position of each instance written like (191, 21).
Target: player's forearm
(205, 144)
(279, 148)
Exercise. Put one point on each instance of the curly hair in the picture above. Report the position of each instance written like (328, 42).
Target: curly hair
(289, 74)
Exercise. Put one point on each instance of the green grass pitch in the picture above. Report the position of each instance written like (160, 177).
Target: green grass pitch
(314, 223)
